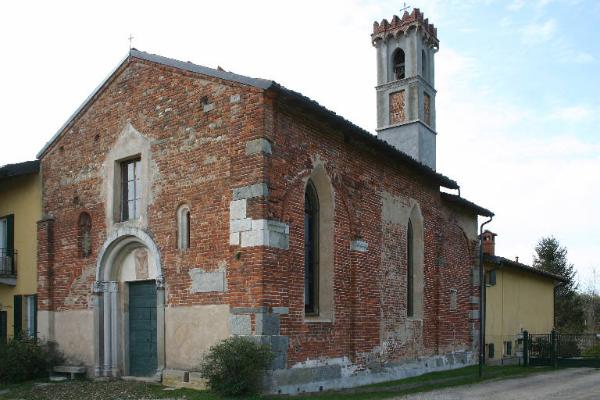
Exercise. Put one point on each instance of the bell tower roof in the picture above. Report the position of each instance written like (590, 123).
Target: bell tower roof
(400, 26)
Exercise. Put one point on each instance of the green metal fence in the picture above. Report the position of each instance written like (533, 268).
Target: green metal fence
(561, 350)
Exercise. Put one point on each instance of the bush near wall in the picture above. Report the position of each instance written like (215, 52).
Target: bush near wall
(236, 366)
(23, 359)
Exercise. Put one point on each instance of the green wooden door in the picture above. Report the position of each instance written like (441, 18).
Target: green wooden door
(142, 328)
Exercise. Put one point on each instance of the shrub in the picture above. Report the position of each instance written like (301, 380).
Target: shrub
(593, 351)
(569, 348)
(24, 359)
(235, 366)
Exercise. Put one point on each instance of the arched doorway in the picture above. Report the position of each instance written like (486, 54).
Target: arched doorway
(128, 300)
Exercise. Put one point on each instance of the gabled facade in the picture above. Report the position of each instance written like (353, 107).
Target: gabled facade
(20, 204)
(182, 205)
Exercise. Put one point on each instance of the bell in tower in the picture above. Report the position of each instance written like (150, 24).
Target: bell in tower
(405, 84)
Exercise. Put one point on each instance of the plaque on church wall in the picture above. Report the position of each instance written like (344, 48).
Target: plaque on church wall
(397, 114)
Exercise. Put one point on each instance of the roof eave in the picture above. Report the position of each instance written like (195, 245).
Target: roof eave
(498, 260)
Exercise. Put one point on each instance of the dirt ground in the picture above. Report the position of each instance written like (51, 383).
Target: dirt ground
(572, 384)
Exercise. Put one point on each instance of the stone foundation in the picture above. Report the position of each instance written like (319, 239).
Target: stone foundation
(341, 374)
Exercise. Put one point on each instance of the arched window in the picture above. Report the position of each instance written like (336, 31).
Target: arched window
(399, 66)
(410, 271)
(84, 235)
(415, 280)
(423, 64)
(311, 250)
(183, 227)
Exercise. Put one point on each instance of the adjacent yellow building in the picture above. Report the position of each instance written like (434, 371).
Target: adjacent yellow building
(518, 298)
(20, 209)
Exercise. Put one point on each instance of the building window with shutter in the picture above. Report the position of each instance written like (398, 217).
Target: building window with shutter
(25, 316)
(130, 189)
(7, 248)
(508, 348)
(491, 352)
(490, 278)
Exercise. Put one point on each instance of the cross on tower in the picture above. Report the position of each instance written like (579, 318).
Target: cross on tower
(130, 40)
(405, 8)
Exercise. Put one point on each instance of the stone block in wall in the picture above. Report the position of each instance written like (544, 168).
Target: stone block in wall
(266, 233)
(235, 98)
(279, 346)
(197, 381)
(251, 191)
(280, 310)
(240, 225)
(474, 314)
(267, 324)
(208, 281)
(295, 376)
(359, 245)
(257, 146)
(248, 310)
(237, 209)
(173, 377)
(240, 325)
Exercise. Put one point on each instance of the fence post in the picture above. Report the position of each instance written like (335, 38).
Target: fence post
(554, 354)
(525, 348)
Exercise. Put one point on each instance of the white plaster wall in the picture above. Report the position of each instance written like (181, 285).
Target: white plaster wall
(73, 331)
(190, 331)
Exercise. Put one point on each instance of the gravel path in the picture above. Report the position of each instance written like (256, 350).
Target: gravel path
(572, 384)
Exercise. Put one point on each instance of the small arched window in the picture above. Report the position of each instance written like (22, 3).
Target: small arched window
(183, 227)
(399, 64)
(410, 270)
(84, 235)
(311, 250)
(423, 64)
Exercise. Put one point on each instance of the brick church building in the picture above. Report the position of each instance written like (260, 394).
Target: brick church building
(183, 204)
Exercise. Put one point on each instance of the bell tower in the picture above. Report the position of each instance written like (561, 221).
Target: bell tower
(405, 84)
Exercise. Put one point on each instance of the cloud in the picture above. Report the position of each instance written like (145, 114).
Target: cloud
(532, 168)
(516, 5)
(539, 32)
(576, 113)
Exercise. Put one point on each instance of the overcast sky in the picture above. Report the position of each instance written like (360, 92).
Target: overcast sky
(517, 82)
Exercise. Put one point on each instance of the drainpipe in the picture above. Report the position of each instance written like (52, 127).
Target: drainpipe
(481, 300)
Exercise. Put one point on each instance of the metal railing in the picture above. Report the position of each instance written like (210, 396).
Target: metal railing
(562, 349)
(8, 262)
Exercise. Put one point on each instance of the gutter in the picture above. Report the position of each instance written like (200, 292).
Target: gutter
(482, 299)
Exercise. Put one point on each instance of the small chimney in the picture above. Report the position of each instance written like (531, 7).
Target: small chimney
(489, 243)
(517, 259)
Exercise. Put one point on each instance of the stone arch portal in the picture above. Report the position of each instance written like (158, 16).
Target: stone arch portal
(129, 256)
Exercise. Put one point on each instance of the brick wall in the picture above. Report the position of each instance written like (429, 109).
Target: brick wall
(370, 288)
(198, 154)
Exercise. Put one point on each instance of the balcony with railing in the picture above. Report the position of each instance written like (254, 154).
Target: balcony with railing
(8, 267)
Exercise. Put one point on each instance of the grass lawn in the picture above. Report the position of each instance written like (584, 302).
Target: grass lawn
(98, 390)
